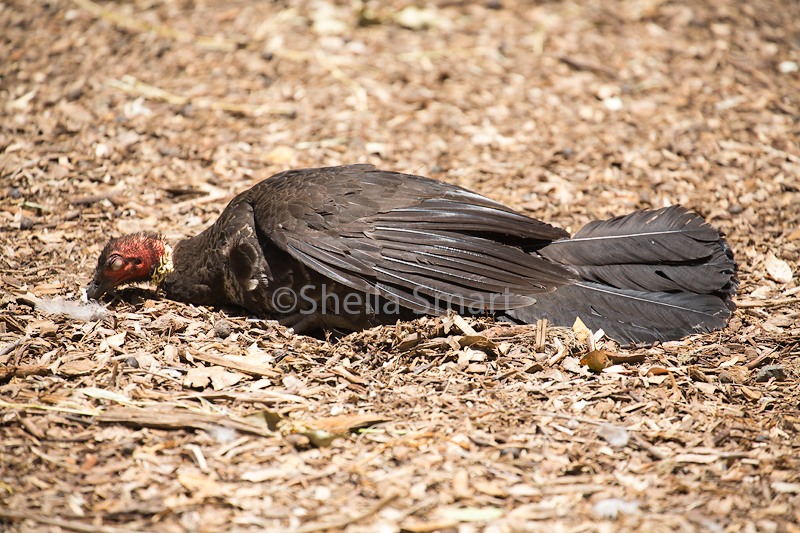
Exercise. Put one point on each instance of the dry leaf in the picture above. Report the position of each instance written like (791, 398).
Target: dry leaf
(610, 508)
(199, 378)
(77, 367)
(344, 423)
(654, 371)
(751, 394)
(224, 379)
(778, 269)
(596, 360)
(580, 329)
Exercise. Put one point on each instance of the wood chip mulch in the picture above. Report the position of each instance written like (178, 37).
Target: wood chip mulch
(154, 416)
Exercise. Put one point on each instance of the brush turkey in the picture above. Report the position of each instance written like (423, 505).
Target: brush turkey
(351, 247)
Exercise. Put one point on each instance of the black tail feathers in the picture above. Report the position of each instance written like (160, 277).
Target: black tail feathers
(648, 276)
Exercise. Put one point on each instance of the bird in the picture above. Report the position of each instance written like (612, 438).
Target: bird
(352, 247)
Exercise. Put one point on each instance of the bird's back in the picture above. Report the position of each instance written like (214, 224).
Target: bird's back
(355, 228)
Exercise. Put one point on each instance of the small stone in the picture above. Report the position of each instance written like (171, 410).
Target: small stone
(789, 66)
(127, 448)
(132, 362)
(25, 224)
(222, 329)
(613, 103)
(767, 373)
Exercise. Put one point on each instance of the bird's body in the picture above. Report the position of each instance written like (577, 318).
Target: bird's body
(352, 247)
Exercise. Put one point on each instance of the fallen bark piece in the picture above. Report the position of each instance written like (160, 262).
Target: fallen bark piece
(175, 419)
(23, 371)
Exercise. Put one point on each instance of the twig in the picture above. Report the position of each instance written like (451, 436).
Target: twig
(507, 330)
(342, 371)
(47, 458)
(553, 414)
(11, 346)
(130, 84)
(233, 365)
(134, 24)
(213, 195)
(340, 524)
(541, 335)
(649, 448)
(745, 304)
(422, 368)
(65, 524)
(489, 52)
(561, 351)
(25, 406)
(23, 371)
(94, 198)
(758, 361)
(176, 419)
(757, 74)
(245, 109)
(265, 396)
(584, 64)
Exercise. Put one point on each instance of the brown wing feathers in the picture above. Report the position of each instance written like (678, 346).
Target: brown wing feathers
(421, 235)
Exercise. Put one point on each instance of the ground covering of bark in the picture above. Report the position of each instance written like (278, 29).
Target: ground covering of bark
(152, 415)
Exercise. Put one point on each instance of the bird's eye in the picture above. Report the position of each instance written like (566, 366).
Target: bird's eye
(115, 264)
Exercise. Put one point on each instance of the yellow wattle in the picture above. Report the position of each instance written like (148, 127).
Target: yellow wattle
(165, 266)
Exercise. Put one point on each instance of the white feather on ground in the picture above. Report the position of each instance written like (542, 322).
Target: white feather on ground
(75, 309)
(610, 508)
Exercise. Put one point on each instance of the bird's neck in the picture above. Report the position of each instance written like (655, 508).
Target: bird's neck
(164, 267)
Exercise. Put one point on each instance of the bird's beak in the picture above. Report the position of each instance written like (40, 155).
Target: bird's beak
(99, 288)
